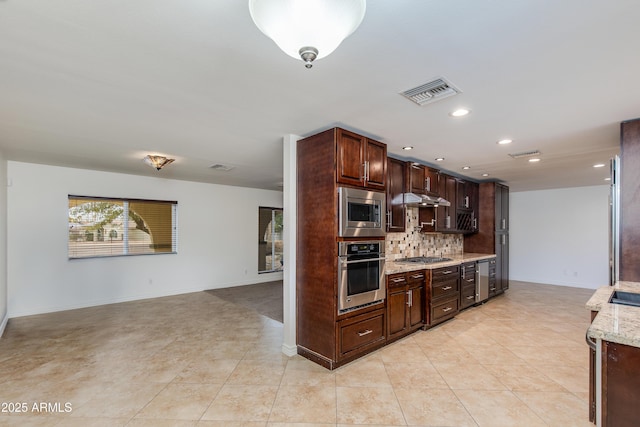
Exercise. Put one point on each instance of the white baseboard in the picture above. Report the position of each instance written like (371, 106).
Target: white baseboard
(289, 350)
(3, 324)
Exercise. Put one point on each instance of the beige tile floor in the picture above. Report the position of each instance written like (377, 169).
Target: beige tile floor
(198, 360)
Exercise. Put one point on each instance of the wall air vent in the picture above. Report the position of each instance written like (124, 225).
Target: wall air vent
(525, 154)
(430, 92)
(221, 168)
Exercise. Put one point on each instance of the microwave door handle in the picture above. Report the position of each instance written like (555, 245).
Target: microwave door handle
(344, 261)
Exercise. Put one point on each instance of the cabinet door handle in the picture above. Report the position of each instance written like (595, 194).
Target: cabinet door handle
(471, 280)
(590, 342)
(475, 223)
(470, 297)
(448, 222)
(446, 288)
(447, 309)
(398, 280)
(504, 239)
(504, 223)
(409, 298)
(428, 183)
(447, 272)
(463, 273)
(466, 201)
(366, 171)
(363, 333)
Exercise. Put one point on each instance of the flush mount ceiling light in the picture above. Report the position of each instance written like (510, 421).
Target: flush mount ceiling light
(534, 160)
(309, 29)
(439, 159)
(504, 141)
(485, 174)
(408, 147)
(157, 162)
(460, 112)
(598, 165)
(466, 167)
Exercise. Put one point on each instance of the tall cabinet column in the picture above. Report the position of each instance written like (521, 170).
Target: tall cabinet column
(630, 201)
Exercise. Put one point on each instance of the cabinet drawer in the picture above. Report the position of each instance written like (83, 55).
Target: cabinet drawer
(416, 276)
(444, 310)
(467, 296)
(445, 273)
(445, 289)
(396, 280)
(361, 333)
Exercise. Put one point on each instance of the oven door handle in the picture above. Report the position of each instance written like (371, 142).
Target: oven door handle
(344, 261)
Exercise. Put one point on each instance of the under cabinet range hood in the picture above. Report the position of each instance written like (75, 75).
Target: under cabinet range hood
(412, 199)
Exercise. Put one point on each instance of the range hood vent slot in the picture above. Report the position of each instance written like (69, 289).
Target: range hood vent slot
(525, 154)
(430, 92)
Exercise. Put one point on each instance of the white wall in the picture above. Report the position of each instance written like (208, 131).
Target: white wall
(560, 236)
(3, 243)
(217, 240)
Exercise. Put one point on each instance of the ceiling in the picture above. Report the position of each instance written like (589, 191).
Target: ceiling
(99, 84)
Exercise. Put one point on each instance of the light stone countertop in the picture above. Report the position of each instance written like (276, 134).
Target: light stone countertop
(393, 267)
(615, 322)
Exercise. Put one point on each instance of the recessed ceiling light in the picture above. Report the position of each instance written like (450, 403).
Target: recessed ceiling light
(598, 165)
(485, 174)
(466, 167)
(505, 141)
(408, 147)
(460, 112)
(534, 160)
(439, 159)
(607, 179)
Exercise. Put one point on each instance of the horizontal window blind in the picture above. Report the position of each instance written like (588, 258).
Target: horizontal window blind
(103, 227)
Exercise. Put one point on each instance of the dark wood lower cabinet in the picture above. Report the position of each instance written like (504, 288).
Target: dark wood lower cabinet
(444, 294)
(358, 334)
(620, 385)
(468, 285)
(405, 303)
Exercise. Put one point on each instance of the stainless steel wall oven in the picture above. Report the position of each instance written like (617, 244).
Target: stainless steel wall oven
(360, 274)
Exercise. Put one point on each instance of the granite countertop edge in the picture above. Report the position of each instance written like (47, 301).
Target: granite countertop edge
(615, 322)
(393, 267)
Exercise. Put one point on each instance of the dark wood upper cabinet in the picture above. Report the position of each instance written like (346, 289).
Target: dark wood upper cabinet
(467, 195)
(360, 161)
(417, 175)
(422, 179)
(396, 210)
(432, 177)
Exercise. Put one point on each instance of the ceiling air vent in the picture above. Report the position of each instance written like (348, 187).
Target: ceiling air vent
(525, 154)
(221, 168)
(430, 92)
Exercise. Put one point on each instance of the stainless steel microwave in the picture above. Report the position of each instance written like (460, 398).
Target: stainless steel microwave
(361, 213)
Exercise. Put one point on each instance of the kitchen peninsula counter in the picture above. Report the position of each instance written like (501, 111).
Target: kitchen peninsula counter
(393, 267)
(615, 322)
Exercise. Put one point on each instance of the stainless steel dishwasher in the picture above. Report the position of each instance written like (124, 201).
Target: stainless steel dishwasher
(482, 280)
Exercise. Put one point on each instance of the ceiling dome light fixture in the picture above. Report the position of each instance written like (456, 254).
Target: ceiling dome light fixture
(466, 168)
(439, 159)
(157, 162)
(460, 112)
(408, 147)
(309, 29)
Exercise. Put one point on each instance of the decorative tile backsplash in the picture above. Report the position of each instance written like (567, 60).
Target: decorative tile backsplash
(415, 243)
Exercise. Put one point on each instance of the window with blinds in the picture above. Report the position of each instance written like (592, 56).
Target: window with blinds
(103, 227)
